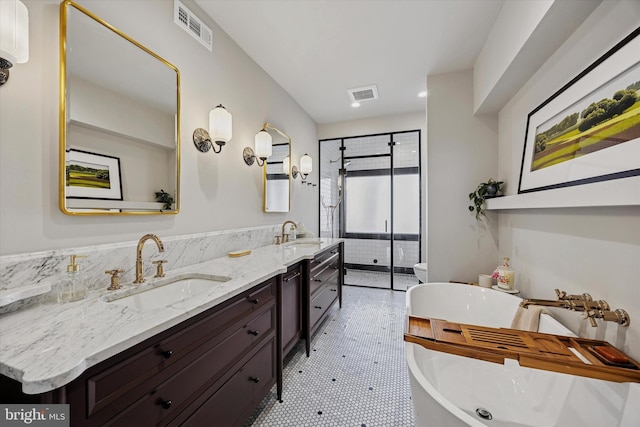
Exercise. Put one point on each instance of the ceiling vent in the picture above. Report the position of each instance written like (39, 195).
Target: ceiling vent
(189, 22)
(365, 93)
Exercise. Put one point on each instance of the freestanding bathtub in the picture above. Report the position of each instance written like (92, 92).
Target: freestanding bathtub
(449, 390)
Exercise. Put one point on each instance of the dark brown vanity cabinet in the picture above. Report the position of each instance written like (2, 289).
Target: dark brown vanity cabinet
(213, 369)
(291, 291)
(324, 288)
(290, 315)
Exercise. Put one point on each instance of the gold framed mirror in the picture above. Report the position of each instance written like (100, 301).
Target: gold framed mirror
(119, 145)
(277, 172)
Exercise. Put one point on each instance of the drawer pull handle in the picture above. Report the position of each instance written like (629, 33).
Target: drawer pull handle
(317, 280)
(318, 307)
(254, 333)
(166, 404)
(167, 354)
(255, 300)
(254, 379)
(291, 277)
(333, 290)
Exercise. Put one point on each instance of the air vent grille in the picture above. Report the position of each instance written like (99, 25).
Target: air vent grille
(189, 22)
(365, 93)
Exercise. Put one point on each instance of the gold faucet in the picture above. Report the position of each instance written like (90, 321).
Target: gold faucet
(591, 309)
(139, 277)
(283, 227)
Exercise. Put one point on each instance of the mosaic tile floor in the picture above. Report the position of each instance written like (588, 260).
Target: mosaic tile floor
(356, 374)
(376, 279)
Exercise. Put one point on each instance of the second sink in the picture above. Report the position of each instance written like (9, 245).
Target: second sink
(166, 292)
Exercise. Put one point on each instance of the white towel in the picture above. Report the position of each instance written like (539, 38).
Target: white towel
(528, 319)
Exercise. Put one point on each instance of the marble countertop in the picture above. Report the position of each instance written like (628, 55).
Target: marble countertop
(47, 346)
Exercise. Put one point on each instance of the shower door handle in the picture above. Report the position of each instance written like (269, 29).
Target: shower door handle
(385, 225)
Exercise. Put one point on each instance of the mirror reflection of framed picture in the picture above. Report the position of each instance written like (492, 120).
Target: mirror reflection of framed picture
(92, 176)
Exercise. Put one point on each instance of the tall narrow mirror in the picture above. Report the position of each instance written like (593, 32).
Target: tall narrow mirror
(119, 121)
(277, 172)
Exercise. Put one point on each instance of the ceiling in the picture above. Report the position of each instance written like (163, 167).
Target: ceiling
(318, 49)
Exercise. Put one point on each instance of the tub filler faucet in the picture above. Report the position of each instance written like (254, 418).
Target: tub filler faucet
(158, 242)
(590, 309)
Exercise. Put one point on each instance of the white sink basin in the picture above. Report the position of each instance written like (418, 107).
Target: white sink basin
(166, 292)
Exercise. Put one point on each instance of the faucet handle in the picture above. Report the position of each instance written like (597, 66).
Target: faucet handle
(562, 295)
(591, 315)
(277, 240)
(160, 269)
(115, 279)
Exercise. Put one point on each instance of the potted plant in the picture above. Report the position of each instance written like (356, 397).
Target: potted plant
(164, 197)
(485, 190)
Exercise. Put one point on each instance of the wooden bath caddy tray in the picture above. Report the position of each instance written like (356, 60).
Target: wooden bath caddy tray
(531, 349)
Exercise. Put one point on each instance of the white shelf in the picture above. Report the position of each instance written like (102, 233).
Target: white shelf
(620, 192)
(168, 147)
(126, 205)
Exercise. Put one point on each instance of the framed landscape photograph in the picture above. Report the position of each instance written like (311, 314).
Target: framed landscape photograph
(92, 176)
(588, 131)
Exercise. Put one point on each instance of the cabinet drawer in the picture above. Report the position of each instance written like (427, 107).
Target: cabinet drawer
(323, 261)
(176, 392)
(325, 276)
(233, 403)
(145, 369)
(320, 303)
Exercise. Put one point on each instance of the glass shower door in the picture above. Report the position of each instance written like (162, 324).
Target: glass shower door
(406, 208)
(367, 210)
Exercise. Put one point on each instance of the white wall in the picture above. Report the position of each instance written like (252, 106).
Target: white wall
(218, 191)
(460, 154)
(594, 250)
(514, 25)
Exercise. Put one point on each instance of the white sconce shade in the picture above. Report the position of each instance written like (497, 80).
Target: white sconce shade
(14, 31)
(220, 125)
(285, 165)
(263, 148)
(306, 164)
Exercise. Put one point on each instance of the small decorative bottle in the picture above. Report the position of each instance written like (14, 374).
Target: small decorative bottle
(73, 286)
(506, 276)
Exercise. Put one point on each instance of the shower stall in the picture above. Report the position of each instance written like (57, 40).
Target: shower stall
(370, 195)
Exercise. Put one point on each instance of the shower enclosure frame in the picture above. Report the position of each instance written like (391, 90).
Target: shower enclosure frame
(392, 237)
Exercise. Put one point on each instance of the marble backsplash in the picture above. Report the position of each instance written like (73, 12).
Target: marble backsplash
(25, 272)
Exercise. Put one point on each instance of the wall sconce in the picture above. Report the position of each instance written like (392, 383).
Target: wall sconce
(14, 36)
(263, 149)
(220, 126)
(306, 166)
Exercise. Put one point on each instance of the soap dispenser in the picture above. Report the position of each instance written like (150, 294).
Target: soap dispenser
(74, 283)
(506, 275)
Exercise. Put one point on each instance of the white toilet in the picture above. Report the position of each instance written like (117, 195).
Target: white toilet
(420, 270)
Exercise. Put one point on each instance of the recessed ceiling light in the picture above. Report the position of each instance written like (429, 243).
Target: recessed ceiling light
(422, 94)
(355, 104)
